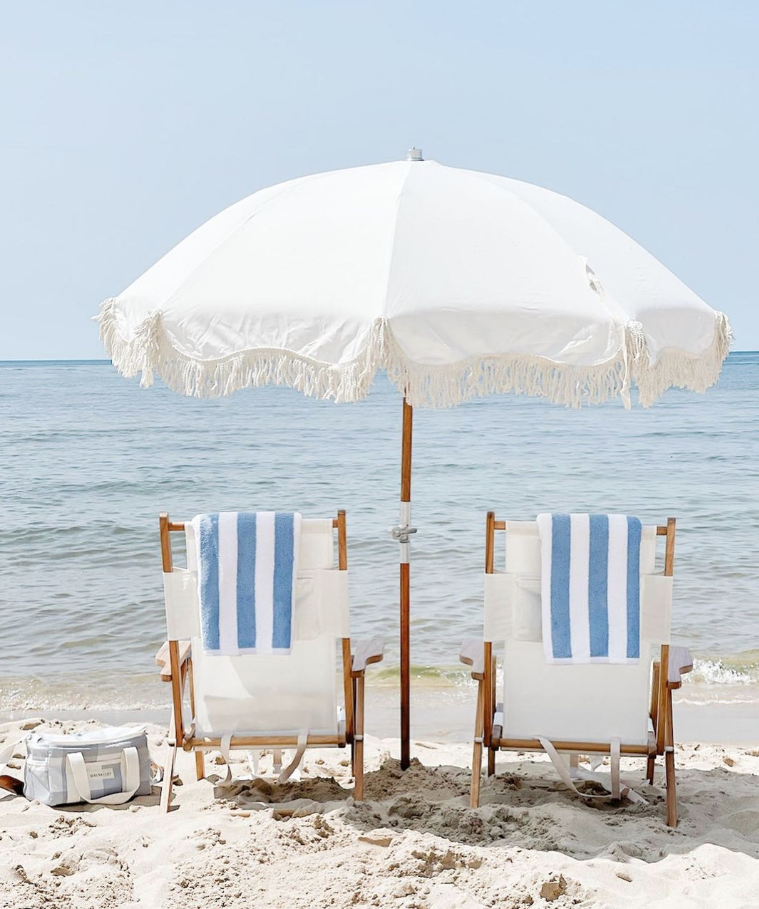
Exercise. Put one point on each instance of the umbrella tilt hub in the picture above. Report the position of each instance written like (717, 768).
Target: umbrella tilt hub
(401, 533)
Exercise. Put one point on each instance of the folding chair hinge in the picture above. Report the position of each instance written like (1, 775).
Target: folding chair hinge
(669, 749)
(478, 740)
(358, 738)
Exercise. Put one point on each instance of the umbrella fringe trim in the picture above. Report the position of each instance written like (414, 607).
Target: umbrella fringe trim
(446, 386)
(572, 386)
(151, 352)
(674, 369)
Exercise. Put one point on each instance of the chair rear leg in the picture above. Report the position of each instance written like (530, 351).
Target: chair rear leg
(474, 796)
(650, 769)
(200, 768)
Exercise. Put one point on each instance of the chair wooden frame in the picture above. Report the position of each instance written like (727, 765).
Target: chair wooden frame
(489, 737)
(175, 662)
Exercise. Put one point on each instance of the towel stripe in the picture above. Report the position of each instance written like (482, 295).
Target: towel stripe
(264, 573)
(227, 581)
(246, 580)
(579, 562)
(590, 585)
(633, 588)
(247, 567)
(560, 537)
(208, 545)
(598, 576)
(284, 552)
(617, 588)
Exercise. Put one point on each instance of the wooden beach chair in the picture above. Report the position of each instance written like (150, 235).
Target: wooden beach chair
(590, 709)
(264, 702)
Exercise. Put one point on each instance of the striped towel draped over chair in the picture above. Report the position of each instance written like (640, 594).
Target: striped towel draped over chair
(246, 580)
(590, 587)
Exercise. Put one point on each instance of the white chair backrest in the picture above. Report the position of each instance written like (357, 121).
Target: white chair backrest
(512, 595)
(259, 693)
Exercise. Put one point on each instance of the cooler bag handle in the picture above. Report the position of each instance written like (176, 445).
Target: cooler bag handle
(130, 775)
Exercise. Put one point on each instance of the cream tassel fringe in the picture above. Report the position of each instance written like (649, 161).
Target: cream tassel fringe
(675, 369)
(150, 351)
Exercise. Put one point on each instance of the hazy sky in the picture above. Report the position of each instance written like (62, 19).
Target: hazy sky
(125, 125)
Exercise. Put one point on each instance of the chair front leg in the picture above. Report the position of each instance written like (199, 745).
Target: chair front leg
(200, 770)
(358, 741)
(654, 713)
(479, 724)
(352, 713)
(679, 662)
(168, 770)
(669, 763)
(366, 654)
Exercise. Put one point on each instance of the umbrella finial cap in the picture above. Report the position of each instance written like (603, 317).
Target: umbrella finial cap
(414, 154)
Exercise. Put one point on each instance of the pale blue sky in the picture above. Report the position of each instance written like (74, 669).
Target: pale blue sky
(125, 125)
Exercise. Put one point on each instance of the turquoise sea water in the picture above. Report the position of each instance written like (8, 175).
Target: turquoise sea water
(88, 460)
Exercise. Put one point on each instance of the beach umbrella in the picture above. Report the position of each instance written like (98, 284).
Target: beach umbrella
(456, 283)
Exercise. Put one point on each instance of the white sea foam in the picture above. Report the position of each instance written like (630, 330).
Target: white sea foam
(715, 672)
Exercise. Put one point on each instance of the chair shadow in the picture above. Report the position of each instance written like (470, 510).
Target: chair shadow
(143, 801)
(524, 805)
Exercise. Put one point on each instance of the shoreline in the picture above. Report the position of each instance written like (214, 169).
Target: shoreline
(447, 716)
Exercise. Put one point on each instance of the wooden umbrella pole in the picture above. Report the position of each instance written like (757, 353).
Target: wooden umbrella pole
(405, 578)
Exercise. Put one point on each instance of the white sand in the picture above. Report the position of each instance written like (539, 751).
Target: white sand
(413, 843)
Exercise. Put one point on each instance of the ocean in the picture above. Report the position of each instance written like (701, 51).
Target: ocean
(88, 460)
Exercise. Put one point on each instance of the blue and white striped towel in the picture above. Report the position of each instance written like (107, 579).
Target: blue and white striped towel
(590, 587)
(247, 565)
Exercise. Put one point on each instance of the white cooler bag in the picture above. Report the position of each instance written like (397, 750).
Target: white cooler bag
(106, 766)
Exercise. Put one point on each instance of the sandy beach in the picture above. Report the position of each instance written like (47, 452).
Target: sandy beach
(412, 844)
(380, 375)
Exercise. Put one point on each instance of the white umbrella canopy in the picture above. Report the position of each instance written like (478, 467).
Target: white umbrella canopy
(457, 283)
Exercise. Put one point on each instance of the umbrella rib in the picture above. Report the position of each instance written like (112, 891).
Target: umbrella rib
(398, 201)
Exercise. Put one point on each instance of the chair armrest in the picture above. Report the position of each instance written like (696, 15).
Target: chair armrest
(680, 662)
(164, 660)
(370, 652)
(473, 654)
